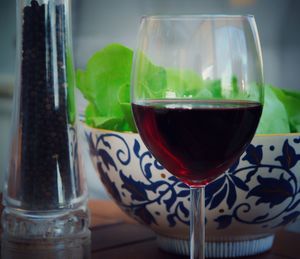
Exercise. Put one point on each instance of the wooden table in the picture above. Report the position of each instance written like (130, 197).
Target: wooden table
(116, 236)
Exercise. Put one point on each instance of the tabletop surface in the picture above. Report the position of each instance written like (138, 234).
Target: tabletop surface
(122, 240)
(115, 235)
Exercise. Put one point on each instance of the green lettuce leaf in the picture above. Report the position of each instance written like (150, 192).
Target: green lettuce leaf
(105, 84)
(187, 83)
(104, 122)
(274, 117)
(291, 102)
(102, 83)
(150, 80)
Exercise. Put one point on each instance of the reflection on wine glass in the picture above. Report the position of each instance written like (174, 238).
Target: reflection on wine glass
(197, 96)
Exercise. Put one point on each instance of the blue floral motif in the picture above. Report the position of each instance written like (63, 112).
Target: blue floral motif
(218, 197)
(289, 158)
(106, 158)
(139, 191)
(290, 218)
(143, 214)
(224, 221)
(170, 192)
(136, 148)
(173, 216)
(212, 189)
(110, 186)
(271, 190)
(254, 154)
(224, 187)
(92, 147)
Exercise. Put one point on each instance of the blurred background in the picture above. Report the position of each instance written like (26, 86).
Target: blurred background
(97, 23)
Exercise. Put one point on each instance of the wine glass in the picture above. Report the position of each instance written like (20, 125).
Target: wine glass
(197, 97)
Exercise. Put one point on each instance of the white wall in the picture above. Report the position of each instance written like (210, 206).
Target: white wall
(99, 22)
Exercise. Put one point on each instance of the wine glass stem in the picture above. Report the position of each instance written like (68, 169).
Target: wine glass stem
(197, 223)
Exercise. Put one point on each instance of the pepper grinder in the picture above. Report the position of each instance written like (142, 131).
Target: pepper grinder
(45, 194)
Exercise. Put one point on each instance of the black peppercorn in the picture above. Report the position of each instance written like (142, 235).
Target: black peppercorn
(47, 170)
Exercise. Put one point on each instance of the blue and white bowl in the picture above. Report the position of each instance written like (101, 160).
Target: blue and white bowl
(245, 206)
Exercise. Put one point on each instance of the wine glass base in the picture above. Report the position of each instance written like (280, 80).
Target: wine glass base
(219, 249)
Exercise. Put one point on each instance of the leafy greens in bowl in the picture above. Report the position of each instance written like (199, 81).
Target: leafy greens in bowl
(105, 84)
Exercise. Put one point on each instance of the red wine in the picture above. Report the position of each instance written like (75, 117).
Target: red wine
(196, 140)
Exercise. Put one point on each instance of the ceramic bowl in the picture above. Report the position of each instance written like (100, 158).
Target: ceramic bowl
(245, 206)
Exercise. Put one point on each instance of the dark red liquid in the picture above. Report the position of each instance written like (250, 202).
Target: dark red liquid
(197, 140)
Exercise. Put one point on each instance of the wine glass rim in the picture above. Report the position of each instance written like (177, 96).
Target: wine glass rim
(196, 16)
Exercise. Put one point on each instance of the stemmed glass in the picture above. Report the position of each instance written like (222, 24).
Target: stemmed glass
(197, 96)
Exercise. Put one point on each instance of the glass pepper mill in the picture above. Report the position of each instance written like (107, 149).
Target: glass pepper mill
(45, 195)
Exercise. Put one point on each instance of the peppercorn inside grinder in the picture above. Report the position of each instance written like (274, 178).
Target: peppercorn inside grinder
(45, 194)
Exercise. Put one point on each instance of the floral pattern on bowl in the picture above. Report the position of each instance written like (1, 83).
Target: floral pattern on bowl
(259, 194)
